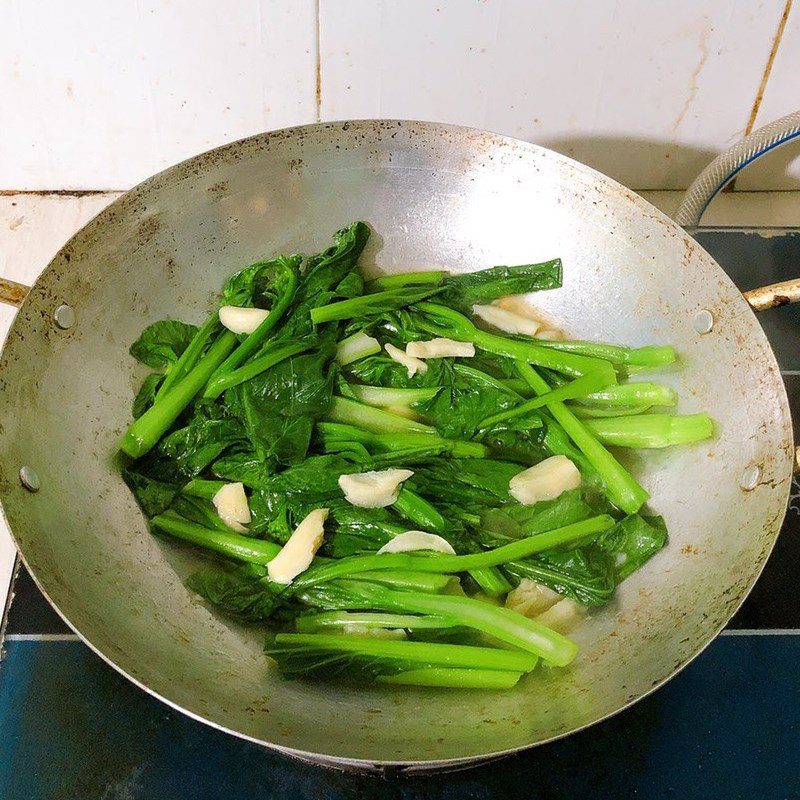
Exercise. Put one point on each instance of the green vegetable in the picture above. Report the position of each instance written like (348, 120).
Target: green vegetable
(161, 344)
(310, 396)
(652, 430)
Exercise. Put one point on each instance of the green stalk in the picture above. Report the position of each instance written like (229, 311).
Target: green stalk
(225, 380)
(260, 551)
(374, 420)
(253, 342)
(355, 347)
(406, 279)
(630, 394)
(621, 487)
(143, 434)
(428, 653)
(456, 326)
(422, 513)
(403, 579)
(453, 678)
(501, 623)
(393, 442)
(190, 355)
(593, 412)
(652, 430)
(368, 304)
(577, 388)
(440, 562)
(491, 581)
(342, 620)
(382, 396)
(197, 487)
(419, 512)
(649, 357)
(232, 545)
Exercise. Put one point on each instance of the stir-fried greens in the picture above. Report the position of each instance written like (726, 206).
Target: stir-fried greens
(403, 480)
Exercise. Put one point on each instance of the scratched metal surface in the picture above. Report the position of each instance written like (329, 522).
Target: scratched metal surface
(436, 196)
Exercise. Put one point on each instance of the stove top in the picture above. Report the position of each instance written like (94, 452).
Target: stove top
(727, 726)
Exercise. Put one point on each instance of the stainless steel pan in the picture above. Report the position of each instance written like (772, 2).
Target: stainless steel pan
(436, 196)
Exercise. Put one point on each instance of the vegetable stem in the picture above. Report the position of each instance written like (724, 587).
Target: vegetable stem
(374, 420)
(189, 356)
(453, 678)
(143, 434)
(652, 430)
(650, 357)
(630, 394)
(623, 490)
(406, 279)
(274, 355)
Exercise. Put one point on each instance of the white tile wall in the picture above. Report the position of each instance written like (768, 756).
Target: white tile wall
(780, 169)
(97, 94)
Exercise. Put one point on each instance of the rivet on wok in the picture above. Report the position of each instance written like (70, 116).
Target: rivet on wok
(29, 479)
(703, 321)
(750, 477)
(64, 316)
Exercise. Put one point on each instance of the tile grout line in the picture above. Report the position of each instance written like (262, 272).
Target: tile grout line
(42, 637)
(761, 632)
(318, 88)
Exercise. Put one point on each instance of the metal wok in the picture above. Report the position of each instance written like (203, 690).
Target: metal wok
(436, 196)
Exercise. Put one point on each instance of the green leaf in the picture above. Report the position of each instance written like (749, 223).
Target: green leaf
(243, 467)
(278, 408)
(160, 345)
(633, 541)
(259, 284)
(463, 291)
(146, 394)
(154, 496)
(243, 591)
(203, 440)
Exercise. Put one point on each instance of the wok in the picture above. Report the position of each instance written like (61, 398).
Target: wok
(436, 196)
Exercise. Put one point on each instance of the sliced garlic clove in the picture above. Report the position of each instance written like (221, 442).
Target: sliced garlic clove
(545, 480)
(440, 348)
(550, 335)
(242, 320)
(563, 616)
(417, 540)
(299, 551)
(413, 365)
(506, 320)
(375, 489)
(530, 598)
(232, 508)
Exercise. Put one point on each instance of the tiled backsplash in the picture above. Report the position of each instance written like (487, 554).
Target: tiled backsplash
(101, 95)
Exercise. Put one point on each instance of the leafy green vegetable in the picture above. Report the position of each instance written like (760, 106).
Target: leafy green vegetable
(146, 395)
(159, 345)
(311, 395)
(467, 289)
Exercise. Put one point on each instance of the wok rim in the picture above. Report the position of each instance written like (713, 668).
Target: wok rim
(424, 766)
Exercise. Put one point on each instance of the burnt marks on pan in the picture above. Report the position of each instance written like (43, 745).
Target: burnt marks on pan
(218, 190)
(147, 229)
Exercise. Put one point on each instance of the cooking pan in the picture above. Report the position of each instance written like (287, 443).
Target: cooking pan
(436, 196)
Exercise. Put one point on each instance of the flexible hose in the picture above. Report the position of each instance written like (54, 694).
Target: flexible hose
(728, 164)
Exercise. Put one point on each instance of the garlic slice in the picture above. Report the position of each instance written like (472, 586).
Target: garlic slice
(545, 480)
(374, 489)
(242, 320)
(413, 365)
(506, 320)
(298, 552)
(530, 598)
(440, 348)
(417, 540)
(231, 504)
(563, 616)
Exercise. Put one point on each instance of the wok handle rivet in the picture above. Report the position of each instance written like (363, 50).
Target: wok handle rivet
(29, 479)
(64, 316)
(703, 321)
(750, 477)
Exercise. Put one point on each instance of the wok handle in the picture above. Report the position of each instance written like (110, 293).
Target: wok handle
(774, 295)
(12, 293)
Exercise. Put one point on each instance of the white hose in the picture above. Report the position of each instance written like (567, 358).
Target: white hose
(728, 164)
